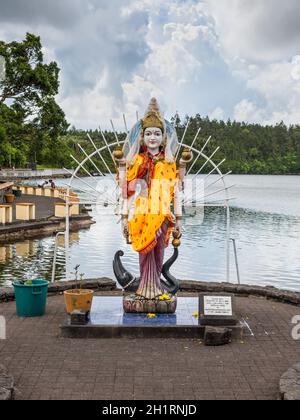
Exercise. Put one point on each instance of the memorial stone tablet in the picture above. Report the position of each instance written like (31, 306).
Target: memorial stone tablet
(216, 309)
(218, 305)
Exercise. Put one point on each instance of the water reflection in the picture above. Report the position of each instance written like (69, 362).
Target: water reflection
(74, 239)
(5, 253)
(33, 258)
(25, 249)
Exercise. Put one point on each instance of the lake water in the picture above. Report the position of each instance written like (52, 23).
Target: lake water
(265, 221)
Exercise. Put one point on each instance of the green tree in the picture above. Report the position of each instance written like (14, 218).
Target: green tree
(29, 113)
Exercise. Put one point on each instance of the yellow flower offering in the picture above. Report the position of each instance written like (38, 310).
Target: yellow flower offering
(151, 315)
(164, 297)
(196, 315)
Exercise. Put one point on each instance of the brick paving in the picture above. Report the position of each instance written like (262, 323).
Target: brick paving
(46, 366)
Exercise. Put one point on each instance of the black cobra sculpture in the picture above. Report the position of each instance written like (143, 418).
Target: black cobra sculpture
(131, 283)
(124, 278)
(171, 284)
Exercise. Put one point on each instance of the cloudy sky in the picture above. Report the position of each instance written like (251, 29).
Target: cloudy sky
(235, 59)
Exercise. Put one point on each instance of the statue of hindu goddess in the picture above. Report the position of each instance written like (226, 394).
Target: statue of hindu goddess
(150, 182)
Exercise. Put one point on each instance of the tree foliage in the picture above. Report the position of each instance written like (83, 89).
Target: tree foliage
(29, 114)
(247, 148)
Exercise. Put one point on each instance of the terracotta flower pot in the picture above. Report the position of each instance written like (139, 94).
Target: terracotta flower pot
(78, 299)
(9, 198)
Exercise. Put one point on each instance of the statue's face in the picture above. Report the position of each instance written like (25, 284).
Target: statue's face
(153, 138)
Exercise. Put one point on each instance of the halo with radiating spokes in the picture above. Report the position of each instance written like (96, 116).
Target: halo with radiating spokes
(204, 187)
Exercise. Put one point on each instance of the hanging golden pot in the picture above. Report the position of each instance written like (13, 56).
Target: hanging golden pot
(118, 153)
(176, 243)
(186, 154)
(176, 234)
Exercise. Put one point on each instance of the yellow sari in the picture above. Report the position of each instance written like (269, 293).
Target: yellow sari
(153, 207)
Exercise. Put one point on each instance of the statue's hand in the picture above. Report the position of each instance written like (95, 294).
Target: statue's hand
(125, 228)
(186, 157)
(121, 162)
(178, 227)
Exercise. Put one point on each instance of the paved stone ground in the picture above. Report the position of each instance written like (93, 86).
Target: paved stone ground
(46, 366)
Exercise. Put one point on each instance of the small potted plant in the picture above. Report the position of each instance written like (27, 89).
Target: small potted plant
(9, 197)
(78, 298)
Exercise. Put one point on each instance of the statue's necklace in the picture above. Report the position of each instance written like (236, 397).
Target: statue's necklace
(156, 158)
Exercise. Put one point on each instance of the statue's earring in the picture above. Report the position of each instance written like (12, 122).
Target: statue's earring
(142, 142)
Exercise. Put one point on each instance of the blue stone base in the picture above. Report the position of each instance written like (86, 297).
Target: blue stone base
(108, 320)
(108, 310)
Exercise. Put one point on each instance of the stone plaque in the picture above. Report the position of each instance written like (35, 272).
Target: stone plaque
(217, 309)
(218, 305)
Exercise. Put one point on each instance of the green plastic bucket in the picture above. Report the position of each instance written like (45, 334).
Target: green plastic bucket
(31, 298)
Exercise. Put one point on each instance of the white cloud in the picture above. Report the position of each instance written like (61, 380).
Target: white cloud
(178, 49)
(86, 110)
(217, 114)
(295, 71)
(279, 85)
(247, 111)
(257, 30)
(259, 40)
(170, 65)
(235, 59)
(275, 82)
(137, 93)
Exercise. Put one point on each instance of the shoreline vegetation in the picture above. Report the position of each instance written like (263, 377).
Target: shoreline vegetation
(35, 133)
(248, 148)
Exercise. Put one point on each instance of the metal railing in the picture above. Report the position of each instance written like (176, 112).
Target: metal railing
(236, 260)
(54, 256)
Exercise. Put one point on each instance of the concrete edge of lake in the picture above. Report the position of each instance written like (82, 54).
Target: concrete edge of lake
(268, 292)
(107, 284)
(44, 222)
(42, 228)
(102, 284)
